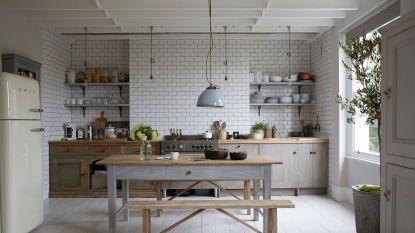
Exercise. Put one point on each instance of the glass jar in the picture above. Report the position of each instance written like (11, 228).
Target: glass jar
(148, 151)
(88, 75)
(97, 76)
(105, 75)
(114, 75)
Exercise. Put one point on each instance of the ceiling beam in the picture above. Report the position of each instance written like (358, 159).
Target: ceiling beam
(315, 4)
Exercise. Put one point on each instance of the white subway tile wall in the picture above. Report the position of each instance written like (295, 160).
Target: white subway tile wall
(101, 53)
(169, 100)
(322, 68)
(55, 61)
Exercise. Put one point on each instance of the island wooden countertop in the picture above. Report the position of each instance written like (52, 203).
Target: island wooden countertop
(193, 160)
(293, 140)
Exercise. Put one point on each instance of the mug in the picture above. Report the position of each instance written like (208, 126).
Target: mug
(174, 155)
(265, 78)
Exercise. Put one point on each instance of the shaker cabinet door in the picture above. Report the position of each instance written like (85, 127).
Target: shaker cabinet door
(319, 166)
(399, 199)
(283, 175)
(398, 88)
(69, 174)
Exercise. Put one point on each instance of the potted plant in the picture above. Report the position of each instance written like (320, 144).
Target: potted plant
(142, 134)
(364, 66)
(258, 130)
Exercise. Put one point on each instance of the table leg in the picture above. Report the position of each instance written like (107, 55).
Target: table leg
(125, 195)
(247, 194)
(256, 197)
(266, 194)
(158, 195)
(112, 192)
(272, 221)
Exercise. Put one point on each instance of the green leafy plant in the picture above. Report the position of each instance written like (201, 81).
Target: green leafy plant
(144, 132)
(258, 126)
(374, 189)
(364, 66)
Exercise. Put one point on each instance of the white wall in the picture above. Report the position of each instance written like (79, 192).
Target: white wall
(345, 172)
(55, 60)
(18, 35)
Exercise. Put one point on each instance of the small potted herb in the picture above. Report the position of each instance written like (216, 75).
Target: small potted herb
(258, 130)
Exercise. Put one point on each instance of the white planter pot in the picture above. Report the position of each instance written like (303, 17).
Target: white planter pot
(258, 135)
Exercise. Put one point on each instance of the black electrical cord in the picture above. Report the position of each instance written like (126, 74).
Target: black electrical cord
(226, 58)
(151, 52)
(209, 55)
(86, 52)
(289, 52)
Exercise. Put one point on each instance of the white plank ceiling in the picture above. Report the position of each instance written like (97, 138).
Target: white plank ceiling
(136, 16)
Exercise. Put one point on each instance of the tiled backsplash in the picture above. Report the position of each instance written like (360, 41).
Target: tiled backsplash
(102, 53)
(322, 68)
(55, 61)
(169, 100)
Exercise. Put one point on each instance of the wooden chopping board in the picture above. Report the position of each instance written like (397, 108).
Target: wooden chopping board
(100, 122)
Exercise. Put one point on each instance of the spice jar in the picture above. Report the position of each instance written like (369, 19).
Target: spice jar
(97, 77)
(105, 75)
(114, 74)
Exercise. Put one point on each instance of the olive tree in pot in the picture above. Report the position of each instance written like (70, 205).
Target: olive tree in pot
(364, 66)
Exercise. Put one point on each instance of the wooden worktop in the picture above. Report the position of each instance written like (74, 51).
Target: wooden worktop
(301, 140)
(96, 142)
(193, 160)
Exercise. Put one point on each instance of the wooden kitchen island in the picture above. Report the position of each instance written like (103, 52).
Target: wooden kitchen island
(189, 167)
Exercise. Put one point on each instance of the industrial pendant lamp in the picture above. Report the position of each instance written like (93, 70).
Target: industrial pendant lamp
(211, 96)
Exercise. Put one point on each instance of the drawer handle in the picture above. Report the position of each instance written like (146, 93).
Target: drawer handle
(67, 150)
(188, 172)
(104, 150)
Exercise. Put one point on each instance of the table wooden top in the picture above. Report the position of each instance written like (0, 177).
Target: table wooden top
(192, 160)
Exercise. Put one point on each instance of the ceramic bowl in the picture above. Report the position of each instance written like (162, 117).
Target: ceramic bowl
(275, 78)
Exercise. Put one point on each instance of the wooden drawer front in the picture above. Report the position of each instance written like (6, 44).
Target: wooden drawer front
(214, 172)
(68, 150)
(141, 185)
(104, 150)
(131, 150)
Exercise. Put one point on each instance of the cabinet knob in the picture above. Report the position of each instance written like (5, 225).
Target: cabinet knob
(67, 150)
(294, 153)
(387, 195)
(388, 92)
(188, 172)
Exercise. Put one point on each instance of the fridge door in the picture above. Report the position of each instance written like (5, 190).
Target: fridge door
(20, 176)
(19, 97)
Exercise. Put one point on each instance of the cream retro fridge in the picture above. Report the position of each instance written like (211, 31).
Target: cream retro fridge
(21, 202)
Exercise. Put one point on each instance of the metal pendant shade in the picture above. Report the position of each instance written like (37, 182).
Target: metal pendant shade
(210, 98)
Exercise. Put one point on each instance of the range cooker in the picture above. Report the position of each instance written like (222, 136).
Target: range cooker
(186, 144)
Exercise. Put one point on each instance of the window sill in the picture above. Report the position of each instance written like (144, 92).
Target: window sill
(365, 158)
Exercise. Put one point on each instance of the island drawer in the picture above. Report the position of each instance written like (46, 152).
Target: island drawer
(104, 150)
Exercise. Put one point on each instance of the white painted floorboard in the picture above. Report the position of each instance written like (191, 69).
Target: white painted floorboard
(313, 214)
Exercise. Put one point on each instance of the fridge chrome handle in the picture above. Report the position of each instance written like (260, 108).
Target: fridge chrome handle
(36, 110)
(38, 130)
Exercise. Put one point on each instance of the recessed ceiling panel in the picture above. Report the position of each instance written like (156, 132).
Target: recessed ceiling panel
(182, 4)
(51, 4)
(185, 13)
(129, 22)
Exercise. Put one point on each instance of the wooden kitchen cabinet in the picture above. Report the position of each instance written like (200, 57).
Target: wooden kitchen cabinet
(72, 168)
(304, 165)
(69, 174)
(283, 175)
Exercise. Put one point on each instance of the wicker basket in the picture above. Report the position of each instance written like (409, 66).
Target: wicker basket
(367, 211)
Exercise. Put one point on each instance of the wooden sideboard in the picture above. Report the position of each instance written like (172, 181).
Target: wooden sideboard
(74, 173)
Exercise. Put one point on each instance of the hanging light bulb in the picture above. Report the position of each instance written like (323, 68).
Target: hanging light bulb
(211, 96)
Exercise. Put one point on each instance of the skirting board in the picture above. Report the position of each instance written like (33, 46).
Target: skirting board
(342, 193)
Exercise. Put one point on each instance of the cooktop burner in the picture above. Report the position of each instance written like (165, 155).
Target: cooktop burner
(187, 144)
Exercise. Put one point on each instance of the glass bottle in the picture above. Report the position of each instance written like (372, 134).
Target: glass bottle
(148, 151)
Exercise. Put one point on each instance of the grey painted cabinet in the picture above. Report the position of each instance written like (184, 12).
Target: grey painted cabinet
(283, 175)
(397, 209)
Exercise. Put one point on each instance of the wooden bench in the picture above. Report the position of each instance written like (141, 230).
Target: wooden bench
(201, 205)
